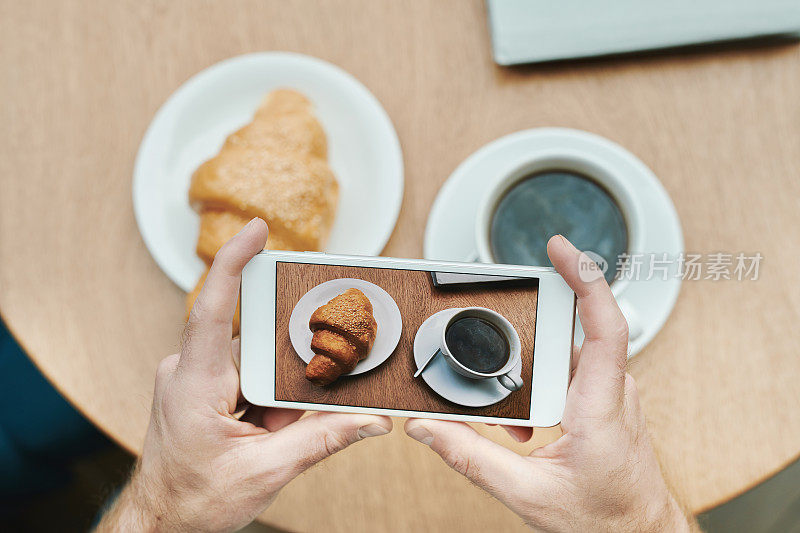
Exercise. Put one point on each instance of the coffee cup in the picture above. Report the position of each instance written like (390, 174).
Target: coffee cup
(594, 166)
(454, 354)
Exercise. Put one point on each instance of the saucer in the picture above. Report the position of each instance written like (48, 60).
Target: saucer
(445, 381)
(363, 152)
(384, 309)
(450, 231)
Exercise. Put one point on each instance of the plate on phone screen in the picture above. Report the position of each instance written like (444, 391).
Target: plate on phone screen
(444, 380)
(363, 152)
(384, 309)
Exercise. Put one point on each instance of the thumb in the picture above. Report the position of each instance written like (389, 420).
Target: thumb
(308, 441)
(212, 313)
(496, 469)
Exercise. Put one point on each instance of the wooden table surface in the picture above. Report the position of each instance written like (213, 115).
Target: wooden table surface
(81, 82)
(392, 385)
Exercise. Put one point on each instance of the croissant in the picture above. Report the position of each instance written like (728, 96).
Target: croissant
(276, 168)
(344, 331)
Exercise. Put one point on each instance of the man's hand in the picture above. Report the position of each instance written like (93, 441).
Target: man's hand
(602, 473)
(202, 468)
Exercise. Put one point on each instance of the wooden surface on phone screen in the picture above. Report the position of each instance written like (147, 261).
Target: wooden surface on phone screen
(391, 385)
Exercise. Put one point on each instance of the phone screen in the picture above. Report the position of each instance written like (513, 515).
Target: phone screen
(355, 336)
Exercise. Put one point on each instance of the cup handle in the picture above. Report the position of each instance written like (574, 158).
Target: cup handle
(510, 381)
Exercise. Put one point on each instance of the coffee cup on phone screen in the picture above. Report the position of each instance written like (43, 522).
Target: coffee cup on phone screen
(479, 343)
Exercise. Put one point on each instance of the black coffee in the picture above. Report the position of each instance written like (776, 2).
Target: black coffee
(477, 344)
(548, 203)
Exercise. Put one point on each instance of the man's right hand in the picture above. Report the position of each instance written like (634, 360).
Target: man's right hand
(602, 473)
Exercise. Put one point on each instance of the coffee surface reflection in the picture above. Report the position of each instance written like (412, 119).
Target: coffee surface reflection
(553, 202)
(477, 344)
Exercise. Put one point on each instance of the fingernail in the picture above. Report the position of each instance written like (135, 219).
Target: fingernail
(421, 434)
(250, 224)
(568, 244)
(247, 226)
(372, 430)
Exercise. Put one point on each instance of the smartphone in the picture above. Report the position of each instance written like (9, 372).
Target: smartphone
(401, 337)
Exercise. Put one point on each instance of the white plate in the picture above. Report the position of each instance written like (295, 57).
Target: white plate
(384, 309)
(363, 151)
(450, 232)
(444, 380)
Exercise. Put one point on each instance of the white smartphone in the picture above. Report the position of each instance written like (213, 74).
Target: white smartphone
(401, 337)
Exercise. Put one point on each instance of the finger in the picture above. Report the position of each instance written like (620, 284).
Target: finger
(604, 349)
(212, 313)
(236, 353)
(216, 303)
(492, 467)
(309, 440)
(164, 373)
(254, 414)
(576, 357)
(278, 418)
(270, 418)
(519, 433)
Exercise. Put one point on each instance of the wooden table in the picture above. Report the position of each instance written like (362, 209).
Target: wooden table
(392, 385)
(78, 289)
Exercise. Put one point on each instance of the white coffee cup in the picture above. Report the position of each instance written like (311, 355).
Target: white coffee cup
(504, 375)
(597, 166)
